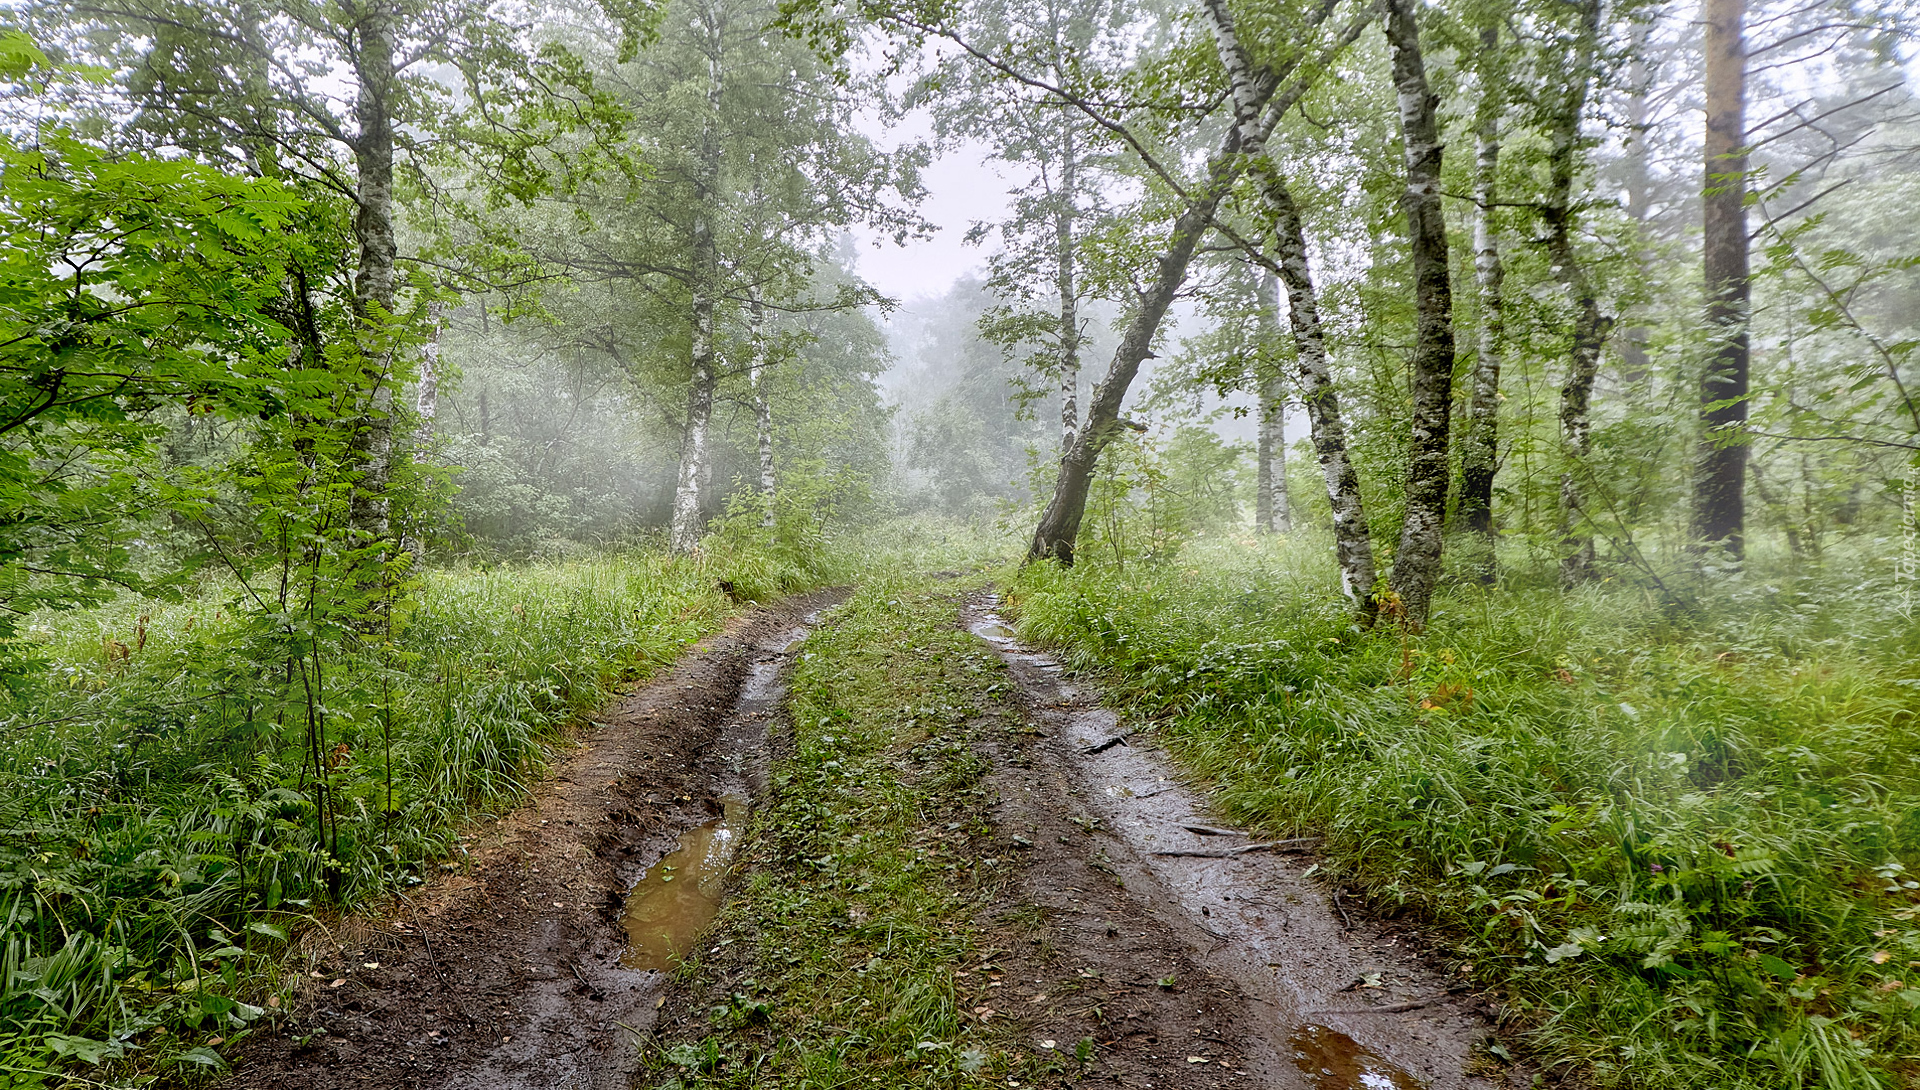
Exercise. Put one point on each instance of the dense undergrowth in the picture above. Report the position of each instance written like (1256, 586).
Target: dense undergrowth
(1682, 839)
(834, 965)
(169, 812)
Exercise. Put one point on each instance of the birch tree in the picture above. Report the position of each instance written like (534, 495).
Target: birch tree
(1480, 445)
(1416, 564)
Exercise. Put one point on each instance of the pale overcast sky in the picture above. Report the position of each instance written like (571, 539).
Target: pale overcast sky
(962, 187)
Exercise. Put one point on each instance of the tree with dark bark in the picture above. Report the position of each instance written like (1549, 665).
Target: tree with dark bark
(1258, 95)
(1416, 564)
(1720, 473)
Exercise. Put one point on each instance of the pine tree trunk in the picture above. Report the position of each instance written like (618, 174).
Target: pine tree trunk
(1590, 327)
(1480, 447)
(1416, 564)
(373, 288)
(704, 282)
(762, 412)
(1719, 500)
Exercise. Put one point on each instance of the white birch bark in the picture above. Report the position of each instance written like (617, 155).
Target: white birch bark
(762, 410)
(1416, 563)
(694, 472)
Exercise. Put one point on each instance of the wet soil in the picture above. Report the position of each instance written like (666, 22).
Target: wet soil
(1287, 986)
(508, 973)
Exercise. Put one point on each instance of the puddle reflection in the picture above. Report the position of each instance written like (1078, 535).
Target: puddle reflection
(1335, 1061)
(680, 894)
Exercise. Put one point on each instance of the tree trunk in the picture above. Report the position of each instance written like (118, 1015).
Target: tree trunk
(1590, 327)
(1353, 545)
(1253, 92)
(1416, 565)
(704, 281)
(1064, 279)
(1635, 363)
(1719, 500)
(426, 398)
(762, 411)
(373, 287)
(1352, 541)
(1272, 513)
(1060, 523)
(1480, 447)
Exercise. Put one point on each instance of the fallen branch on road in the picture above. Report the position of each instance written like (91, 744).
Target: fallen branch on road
(1299, 844)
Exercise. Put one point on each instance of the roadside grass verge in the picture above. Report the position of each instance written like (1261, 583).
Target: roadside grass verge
(167, 815)
(1681, 842)
(864, 886)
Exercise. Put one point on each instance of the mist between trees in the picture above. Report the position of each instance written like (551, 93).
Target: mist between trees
(315, 315)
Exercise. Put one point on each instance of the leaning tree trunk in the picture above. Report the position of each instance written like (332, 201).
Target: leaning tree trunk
(1258, 104)
(1352, 541)
(1060, 523)
(1064, 280)
(1272, 513)
(762, 410)
(704, 281)
(1353, 547)
(1416, 565)
(1480, 447)
(1719, 500)
(1590, 327)
(373, 288)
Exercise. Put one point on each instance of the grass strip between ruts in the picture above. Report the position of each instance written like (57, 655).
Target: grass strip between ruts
(869, 874)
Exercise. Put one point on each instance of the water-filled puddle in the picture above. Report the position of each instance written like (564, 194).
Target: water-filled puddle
(679, 895)
(995, 631)
(1335, 1061)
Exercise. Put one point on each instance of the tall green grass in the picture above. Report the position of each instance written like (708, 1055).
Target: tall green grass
(159, 821)
(1680, 840)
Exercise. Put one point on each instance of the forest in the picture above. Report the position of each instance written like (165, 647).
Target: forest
(959, 543)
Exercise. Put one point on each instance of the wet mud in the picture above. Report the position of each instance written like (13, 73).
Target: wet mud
(1329, 998)
(516, 970)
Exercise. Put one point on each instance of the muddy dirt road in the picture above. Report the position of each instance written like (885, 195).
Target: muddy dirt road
(509, 974)
(1333, 1000)
(1120, 913)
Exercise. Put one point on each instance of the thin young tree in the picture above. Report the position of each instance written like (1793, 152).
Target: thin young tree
(1565, 107)
(1480, 444)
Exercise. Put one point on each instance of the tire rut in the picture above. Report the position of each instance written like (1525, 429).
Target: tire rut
(507, 974)
(1332, 999)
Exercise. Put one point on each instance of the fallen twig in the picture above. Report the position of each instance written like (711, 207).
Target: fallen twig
(1390, 1008)
(1209, 830)
(1299, 844)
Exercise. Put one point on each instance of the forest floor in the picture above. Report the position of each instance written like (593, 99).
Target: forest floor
(1091, 924)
